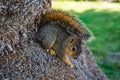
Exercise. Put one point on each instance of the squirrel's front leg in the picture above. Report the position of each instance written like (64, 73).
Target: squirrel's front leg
(66, 60)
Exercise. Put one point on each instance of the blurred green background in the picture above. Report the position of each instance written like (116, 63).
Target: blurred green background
(103, 20)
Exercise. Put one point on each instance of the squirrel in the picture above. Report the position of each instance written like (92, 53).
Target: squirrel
(61, 34)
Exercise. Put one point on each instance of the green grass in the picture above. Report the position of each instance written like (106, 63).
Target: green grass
(103, 20)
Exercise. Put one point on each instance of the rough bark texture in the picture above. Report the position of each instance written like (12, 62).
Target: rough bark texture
(23, 59)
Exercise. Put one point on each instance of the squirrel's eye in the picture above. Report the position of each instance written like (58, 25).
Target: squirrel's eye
(73, 48)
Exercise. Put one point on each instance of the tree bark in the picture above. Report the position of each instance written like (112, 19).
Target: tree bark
(23, 59)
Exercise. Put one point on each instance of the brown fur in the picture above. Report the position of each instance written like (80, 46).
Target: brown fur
(60, 15)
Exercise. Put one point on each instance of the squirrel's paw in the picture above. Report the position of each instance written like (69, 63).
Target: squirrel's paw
(66, 60)
(52, 52)
(71, 65)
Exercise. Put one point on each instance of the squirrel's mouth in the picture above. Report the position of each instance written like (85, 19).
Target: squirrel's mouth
(74, 56)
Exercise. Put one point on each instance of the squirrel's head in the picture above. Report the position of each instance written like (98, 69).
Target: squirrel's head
(73, 47)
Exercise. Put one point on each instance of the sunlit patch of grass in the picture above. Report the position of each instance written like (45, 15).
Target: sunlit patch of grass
(103, 19)
(83, 6)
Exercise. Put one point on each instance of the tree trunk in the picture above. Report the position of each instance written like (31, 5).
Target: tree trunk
(23, 59)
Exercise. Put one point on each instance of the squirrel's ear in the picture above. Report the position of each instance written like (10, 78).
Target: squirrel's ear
(72, 39)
